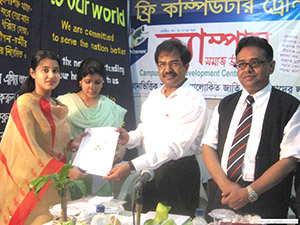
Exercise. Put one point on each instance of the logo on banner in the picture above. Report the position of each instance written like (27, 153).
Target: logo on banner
(138, 43)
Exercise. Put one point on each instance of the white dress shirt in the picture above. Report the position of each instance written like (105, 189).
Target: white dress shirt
(290, 145)
(171, 127)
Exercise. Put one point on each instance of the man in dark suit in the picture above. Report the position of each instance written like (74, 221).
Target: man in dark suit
(255, 177)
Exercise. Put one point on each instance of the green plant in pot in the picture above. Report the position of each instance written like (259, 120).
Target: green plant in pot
(62, 184)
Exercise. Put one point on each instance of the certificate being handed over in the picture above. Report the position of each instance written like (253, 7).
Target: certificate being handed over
(97, 150)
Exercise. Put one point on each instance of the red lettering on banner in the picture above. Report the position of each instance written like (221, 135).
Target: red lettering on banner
(215, 38)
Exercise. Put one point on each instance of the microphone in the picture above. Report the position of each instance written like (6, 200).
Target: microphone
(146, 175)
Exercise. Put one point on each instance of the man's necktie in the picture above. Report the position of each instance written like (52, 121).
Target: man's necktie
(239, 144)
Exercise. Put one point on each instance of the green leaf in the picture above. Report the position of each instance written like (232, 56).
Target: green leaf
(59, 190)
(68, 223)
(64, 172)
(77, 188)
(170, 222)
(60, 181)
(162, 213)
(38, 184)
(158, 219)
(54, 178)
(80, 185)
(149, 222)
(44, 180)
(35, 182)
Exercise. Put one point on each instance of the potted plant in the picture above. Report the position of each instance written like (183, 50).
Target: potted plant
(62, 184)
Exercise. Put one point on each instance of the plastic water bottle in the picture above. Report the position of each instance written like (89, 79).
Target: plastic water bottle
(100, 209)
(199, 220)
(100, 218)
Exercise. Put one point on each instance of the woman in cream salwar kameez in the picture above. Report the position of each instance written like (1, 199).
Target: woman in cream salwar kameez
(34, 143)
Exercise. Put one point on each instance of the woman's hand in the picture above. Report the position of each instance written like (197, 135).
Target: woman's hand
(119, 155)
(75, 143)
(76, 173)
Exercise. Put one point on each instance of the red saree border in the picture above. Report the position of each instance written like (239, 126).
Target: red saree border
(46, 110)
(30, 201)
(4, 161)
(17, 120)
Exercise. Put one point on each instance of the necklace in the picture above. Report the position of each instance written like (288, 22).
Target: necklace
(90, 104)
(49, 99)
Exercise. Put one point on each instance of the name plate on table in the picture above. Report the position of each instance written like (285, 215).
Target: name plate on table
(97, 150)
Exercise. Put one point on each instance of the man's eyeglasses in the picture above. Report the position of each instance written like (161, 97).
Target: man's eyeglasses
(173, 65)
(254, 64)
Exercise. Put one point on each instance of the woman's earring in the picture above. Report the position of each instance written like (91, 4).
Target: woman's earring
(79, 83)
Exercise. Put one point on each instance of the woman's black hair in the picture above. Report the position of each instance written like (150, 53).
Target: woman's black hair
(29, 83)
(90, 66)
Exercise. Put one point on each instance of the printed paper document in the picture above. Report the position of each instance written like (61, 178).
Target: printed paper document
(96, 151)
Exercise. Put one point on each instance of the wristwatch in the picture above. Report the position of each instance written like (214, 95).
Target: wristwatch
(131, 166)
(252, 195)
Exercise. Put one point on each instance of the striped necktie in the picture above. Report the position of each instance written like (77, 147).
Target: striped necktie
(239, 144)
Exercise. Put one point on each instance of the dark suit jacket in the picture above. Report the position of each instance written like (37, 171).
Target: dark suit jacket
(281, 107)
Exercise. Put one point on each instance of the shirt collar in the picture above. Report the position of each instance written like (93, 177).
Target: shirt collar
(178, 91)
(260, 97)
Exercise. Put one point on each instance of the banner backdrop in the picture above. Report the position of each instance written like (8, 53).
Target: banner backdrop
(74, 30)
(212, 29)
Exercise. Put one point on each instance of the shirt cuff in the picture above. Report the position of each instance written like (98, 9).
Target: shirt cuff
(210, 144)
(132, 141)
(140, 163)
(289, 153)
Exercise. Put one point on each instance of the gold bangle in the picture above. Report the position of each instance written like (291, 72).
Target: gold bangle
(73, 150)
(69, 147)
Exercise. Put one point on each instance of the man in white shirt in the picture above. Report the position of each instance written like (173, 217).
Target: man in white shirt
(273, 148)
(172, 123)
(297, 190)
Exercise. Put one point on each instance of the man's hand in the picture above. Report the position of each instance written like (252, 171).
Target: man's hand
(235, 196)
(123, 137)
(118, 173)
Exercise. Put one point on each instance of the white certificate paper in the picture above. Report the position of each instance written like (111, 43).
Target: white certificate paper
(97, 150)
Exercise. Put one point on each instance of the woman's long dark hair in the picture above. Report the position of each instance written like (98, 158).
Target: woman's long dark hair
(29, 83)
